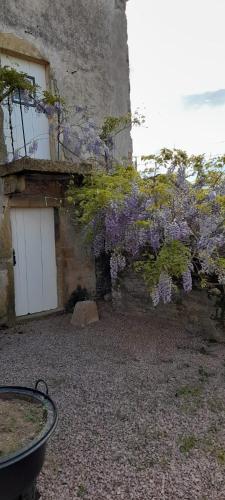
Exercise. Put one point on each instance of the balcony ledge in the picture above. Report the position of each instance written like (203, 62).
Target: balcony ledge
(48, 166)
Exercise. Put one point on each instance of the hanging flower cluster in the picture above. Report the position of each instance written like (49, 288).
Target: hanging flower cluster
(80, 140)
(171, 225)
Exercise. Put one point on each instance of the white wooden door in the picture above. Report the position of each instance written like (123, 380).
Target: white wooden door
(35, 275)
(36, 125)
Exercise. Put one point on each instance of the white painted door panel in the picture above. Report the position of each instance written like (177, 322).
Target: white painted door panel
(48, 259)
(35, 124)
(35, 277)
(34, 270)
(20, 278)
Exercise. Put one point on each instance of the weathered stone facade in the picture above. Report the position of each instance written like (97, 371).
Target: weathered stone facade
(84, 43)
(83, 47)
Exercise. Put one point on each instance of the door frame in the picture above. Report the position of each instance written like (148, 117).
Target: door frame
(57, 290)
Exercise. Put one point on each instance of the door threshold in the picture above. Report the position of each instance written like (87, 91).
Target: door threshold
(40, 315)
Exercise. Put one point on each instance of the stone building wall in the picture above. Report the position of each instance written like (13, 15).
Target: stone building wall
(85, 44)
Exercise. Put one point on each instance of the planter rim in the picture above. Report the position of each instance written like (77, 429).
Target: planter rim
(47, 429)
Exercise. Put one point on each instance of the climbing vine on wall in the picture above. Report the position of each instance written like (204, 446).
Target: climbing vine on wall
(81, 140)
(169, 222)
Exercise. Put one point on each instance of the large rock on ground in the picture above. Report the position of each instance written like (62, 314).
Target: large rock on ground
(85, 313)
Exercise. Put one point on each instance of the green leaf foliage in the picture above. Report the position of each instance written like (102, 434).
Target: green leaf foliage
(173, 259)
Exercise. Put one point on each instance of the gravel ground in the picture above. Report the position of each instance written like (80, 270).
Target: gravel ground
(141, 407)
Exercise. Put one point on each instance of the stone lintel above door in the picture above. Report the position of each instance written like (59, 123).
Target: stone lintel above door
(31, 177)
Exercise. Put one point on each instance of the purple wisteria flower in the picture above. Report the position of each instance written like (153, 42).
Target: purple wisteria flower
(165, 287)
(155, 296)
(58, 108)
(49, 110)
(187, 281)
(162, 291)
(80, 139)
(117, 264)
(177, 230)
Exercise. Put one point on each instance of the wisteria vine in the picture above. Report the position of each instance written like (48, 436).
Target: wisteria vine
(77, 135)
(73, 127)
(169, 223)
(81, 140)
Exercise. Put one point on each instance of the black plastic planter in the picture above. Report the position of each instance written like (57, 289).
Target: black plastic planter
(19, 471)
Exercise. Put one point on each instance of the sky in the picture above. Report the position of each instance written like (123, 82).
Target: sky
(177, 71)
